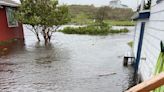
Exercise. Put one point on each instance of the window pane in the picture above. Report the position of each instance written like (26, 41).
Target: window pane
(10, 17)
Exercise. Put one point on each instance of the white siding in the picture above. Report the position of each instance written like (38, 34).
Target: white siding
(137, 35)
(136, 39)
(154, 33)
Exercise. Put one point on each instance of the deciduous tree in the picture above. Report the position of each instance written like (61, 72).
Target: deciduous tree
(44, 16)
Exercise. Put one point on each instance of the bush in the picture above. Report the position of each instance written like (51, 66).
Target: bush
(125, 30)
(92, 30)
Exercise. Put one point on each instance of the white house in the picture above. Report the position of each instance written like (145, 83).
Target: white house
(149, 36)
(117, 4)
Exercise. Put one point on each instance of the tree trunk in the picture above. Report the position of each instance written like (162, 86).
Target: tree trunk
(49, 38)
(36, 32)
(45, 36)
(37, 36)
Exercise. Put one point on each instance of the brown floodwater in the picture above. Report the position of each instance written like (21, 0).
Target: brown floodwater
(72, 63)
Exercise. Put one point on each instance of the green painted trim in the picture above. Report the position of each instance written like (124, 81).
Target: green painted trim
(160, 68)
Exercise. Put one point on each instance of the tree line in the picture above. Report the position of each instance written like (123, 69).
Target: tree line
(91, 12)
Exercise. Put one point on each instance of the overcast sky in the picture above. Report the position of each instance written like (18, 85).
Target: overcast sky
(130, 3)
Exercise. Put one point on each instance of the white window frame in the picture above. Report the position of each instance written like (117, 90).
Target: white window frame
(8, 19)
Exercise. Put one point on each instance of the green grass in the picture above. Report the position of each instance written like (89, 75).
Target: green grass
(93, 30)
(131, 43)
(119, 23)
(85, 30)
(82, 19)
(3, 43)
(125, 30)
(85, 21)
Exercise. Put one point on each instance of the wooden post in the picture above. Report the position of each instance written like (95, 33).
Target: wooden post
(125, 61)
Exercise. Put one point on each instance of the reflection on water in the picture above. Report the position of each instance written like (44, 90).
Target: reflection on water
(72, 63)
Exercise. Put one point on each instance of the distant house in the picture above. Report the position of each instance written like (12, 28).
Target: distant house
(117, 4)
(149, 38)
(9, 26)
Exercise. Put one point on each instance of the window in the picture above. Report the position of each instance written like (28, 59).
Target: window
(147, 4)
(11, 18)
(158, 1)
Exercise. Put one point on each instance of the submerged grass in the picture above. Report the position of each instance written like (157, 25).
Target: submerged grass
(125, 30)
(3, 43)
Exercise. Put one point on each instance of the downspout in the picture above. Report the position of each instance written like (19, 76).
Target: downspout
(137, 61)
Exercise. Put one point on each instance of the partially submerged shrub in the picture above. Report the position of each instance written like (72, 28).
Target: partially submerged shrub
(93, 30)
(90, 30)
(125, 30)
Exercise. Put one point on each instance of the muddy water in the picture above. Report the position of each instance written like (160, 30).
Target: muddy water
(73, 63)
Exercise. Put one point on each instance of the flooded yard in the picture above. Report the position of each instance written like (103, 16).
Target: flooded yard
(73, 63)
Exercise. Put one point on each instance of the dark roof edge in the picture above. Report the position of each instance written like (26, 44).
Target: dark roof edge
(141, 15)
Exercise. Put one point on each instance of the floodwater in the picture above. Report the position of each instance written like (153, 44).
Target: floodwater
(73, 63)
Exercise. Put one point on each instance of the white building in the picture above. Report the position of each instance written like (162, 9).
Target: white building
(149, 36)
(117, 4)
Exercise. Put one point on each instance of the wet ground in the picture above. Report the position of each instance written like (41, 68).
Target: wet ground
(73, 63)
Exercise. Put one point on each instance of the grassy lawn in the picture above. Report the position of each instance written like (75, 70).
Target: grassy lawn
(84, 21)
(120, 23)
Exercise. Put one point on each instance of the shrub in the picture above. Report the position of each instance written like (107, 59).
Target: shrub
(84, 30)
(92, 30)
(125, 30)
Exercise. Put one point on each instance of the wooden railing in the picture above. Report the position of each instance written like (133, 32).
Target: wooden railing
(149, 85)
